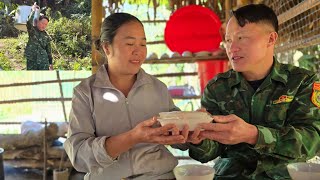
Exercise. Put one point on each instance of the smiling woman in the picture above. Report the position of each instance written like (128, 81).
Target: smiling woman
(113, 129)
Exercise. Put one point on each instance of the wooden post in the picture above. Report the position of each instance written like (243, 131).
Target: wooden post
(45, 150)
(62, 96)
(1, 165)
(242, 3)
(228, 8)
(96, 19)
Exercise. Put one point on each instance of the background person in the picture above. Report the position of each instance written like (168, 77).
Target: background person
(38, 50)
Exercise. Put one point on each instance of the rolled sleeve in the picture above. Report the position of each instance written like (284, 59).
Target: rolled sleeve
(100, 153)
(204, 152)
(30, 19)
(267, 139)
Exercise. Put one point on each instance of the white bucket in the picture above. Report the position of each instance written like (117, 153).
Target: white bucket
(61, 174)
(21, 18)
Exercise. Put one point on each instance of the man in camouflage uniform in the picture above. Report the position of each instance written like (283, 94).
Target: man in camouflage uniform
(266, 114)
(38, 50)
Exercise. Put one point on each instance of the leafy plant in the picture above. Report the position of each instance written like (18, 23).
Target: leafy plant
(77, 7)
(82, 64)
(13, 52)
(68, 63)
(4, 63)
(7, 28)
(61, 63)
(310, 59)
(309, 62)
(71, 36)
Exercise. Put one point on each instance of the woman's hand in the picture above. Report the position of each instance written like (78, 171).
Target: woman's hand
(145, 133)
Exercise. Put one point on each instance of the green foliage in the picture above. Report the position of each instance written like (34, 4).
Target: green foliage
(309, 62)
(4, 63)
(12, 53)
(7, 28)
(7, 10)
(82, 64)
(64, 63)
(82, 7)
(310, 59)
(61, 63)
(71, 37)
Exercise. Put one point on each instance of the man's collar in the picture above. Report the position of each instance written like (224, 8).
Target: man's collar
(237, 78)
(278, 73)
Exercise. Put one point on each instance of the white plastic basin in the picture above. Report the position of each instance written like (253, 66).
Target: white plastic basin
(304, 171)
(194, 172)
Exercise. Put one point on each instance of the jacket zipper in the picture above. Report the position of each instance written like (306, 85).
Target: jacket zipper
(130, 156)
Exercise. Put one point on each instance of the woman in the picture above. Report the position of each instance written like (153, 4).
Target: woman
(113, 132)
(38, 50)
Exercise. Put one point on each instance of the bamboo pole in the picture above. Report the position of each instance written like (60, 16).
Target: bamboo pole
(154, 21)
(41, 82)
(96, 19)
(184, 59)
(36, 164)
(62, 96)
(305, 42)
(34, 100)
(242, 2)
(176, 74)
(227, 9)
(1, 164)
(297, 9)
(156, 42)
(45, 150)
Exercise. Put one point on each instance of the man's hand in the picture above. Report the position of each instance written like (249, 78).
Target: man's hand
(35, 6)
(145, 133)
(50, 67)
(195, 137)
(229, 129)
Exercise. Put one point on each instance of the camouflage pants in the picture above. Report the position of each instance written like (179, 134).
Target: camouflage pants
(37, 64)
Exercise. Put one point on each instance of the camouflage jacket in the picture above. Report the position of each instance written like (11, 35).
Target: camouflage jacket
(288, 123)
(38, 47)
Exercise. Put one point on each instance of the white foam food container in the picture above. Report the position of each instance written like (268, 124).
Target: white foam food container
(180, 118)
